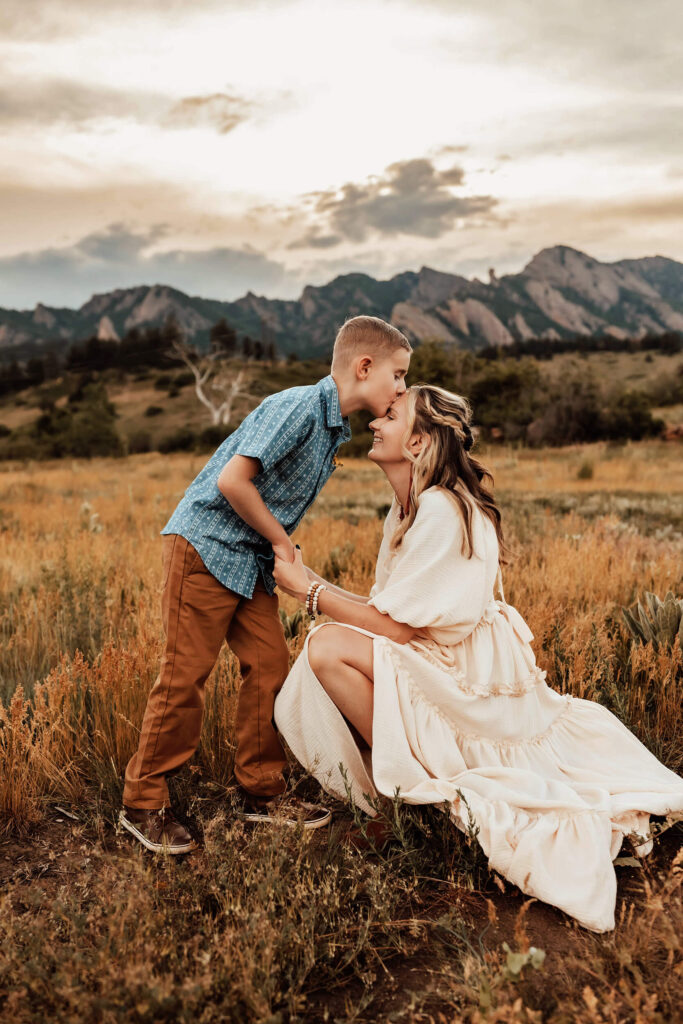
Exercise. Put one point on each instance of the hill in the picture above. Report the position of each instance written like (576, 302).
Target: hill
(570, 397)
(561, 292)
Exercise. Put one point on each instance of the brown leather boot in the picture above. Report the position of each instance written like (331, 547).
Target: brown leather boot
(158, 830)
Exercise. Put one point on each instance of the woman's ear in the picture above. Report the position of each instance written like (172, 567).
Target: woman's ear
(418, 442)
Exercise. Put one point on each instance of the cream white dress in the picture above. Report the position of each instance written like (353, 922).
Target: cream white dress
(463, 716)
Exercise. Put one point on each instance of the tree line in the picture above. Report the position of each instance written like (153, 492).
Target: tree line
(140, 349)
(669, 342)
(512, 398)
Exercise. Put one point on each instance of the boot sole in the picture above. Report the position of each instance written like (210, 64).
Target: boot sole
(174, 851)
(289, 822)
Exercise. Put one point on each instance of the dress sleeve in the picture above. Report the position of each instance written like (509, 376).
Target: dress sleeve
(432, 583)
(274, 429)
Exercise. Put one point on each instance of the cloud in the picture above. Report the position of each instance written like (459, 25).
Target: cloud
(64, 101)
(664, 209)
(635, 130)
(314, 240)
(623, 43)
(73, 104)
(61, 19)
(221, 111)
(412, 197)
(120, 257)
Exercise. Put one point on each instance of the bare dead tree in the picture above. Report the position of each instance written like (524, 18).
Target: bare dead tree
(216, 385)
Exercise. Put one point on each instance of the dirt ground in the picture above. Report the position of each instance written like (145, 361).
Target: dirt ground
(54, 856)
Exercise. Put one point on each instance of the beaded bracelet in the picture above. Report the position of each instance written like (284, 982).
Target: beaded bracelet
(321, 587)
(310, 597)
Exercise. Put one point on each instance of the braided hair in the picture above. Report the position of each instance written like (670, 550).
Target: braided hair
(445, 461)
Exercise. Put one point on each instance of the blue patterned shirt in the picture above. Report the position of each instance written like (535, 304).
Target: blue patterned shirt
(294, 434)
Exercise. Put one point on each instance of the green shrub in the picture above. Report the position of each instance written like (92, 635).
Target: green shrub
(652, 620)
(211, 437)
(84, 428)
(585, 471)
(140, 441)
(181, 440)
(629, 416)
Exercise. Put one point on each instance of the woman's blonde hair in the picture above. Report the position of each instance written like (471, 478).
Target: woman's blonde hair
(446, 461)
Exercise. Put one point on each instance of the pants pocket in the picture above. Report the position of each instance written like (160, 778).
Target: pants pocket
(168, 547)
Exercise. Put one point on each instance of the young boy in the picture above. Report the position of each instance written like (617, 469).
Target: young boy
(218, 555)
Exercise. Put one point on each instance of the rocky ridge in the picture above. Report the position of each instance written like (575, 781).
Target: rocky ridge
(559, 293)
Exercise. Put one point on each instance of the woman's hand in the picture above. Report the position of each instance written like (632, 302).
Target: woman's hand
(292, 576)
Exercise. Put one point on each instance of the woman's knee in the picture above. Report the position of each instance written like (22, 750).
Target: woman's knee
(325, 646)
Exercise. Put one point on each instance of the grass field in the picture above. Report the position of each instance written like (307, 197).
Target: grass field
(268, 927)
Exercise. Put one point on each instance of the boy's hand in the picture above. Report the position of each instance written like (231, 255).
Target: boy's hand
(291, 576)
(284, 551)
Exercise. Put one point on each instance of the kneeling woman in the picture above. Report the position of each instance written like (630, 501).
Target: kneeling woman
(430, 685)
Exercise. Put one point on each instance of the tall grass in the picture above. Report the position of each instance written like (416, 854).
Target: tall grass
(266, 927)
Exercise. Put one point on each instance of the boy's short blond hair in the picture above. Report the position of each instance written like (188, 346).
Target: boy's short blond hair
(366, 335)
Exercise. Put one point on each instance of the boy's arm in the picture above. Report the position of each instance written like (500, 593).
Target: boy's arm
(236, 485)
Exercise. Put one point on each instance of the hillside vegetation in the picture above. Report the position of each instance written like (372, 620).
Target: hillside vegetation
(93, 408)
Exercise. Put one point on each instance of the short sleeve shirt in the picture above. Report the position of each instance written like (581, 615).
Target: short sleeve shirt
(295, 435)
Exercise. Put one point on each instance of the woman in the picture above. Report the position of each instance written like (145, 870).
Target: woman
(431, 685)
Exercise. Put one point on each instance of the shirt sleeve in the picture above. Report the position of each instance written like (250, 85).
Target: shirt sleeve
(276, 428)
(432, 582)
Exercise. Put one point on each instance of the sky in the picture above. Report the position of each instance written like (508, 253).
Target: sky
(221, 146)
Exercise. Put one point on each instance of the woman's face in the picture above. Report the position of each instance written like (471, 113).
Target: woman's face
(389, 432)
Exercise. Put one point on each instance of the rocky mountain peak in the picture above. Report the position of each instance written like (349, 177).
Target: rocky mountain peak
(44, 316)
(434, 287)
(559, 293)
(599, 284)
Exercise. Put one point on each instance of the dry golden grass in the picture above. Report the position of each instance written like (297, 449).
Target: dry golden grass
(265, 928)
(653, 467)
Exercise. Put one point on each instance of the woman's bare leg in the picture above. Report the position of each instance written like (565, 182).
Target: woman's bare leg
(342, 659)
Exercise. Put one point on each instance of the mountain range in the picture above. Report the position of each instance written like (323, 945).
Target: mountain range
(561, 292)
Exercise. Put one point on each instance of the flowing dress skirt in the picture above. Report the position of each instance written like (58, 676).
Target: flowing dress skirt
(554, 782)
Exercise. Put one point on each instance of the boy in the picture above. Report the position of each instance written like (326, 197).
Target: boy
(218, 554)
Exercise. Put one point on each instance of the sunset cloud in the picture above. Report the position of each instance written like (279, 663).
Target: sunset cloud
(411, 197)
(118, 257)
(75, 104)
(227, 146)
(220, 111)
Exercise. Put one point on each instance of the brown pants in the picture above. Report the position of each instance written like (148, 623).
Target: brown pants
(199, 613)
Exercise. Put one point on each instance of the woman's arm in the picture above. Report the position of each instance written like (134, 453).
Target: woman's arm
(355, 613)
(313, 577)
(293, 579)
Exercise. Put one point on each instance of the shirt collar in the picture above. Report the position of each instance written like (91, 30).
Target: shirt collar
(333, 416)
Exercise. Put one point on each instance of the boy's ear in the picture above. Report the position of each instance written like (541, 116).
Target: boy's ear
(363, 367)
